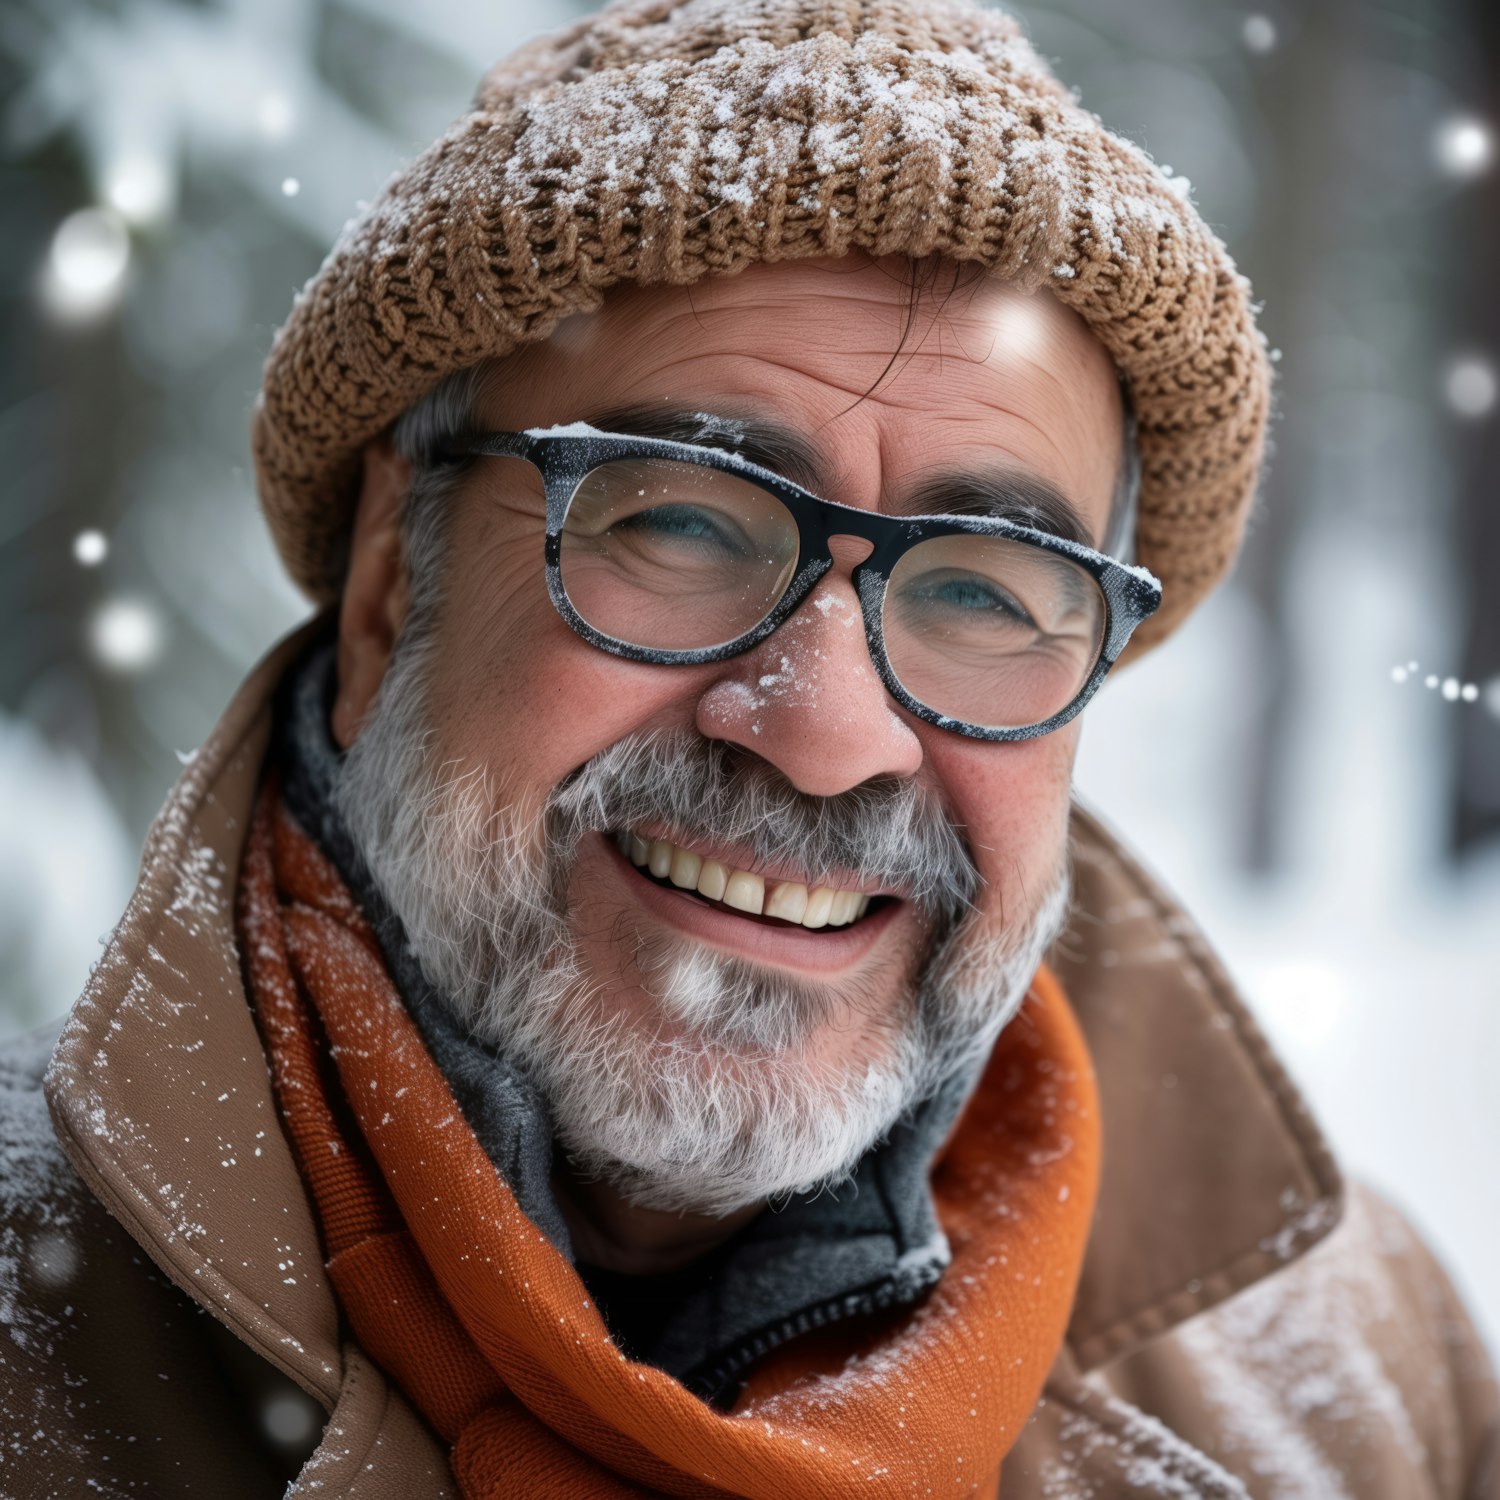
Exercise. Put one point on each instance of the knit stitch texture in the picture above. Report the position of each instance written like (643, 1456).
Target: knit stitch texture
(670, 140)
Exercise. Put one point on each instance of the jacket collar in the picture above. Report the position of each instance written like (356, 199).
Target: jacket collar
(1215, 1173)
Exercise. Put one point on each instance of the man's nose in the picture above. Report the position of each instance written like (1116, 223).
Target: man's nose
(809, 700)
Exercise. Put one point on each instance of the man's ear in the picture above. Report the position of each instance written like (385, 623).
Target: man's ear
(375, 588)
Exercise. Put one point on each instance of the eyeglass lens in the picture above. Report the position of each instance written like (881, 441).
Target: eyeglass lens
(674, 555)
(677, 556)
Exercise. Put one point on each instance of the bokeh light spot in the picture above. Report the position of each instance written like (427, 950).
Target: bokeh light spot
(1471, 386)
(1464, 146)
(1259, 33)
(290, 1418)
(138, 187)
(87, 264)
(90, 548)
(126, 635)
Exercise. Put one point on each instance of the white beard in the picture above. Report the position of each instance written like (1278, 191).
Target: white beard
(729, 1110)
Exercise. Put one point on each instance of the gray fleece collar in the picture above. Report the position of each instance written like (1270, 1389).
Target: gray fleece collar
(874, 1243)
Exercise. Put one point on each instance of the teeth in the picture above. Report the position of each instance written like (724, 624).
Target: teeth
(842, 910)
(686, 868)
(745, 892)
(819, 904)
(787, 901)
(823, 906)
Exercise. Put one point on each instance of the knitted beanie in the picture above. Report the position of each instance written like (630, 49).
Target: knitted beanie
(669, 140)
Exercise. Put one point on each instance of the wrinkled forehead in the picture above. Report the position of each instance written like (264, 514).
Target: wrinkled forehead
(896, 371)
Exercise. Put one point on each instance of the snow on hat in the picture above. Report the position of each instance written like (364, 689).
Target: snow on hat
(669, 140)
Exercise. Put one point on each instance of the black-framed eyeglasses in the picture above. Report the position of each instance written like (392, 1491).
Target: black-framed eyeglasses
(670, 552)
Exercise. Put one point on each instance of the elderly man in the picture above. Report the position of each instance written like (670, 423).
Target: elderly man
(623, 1003)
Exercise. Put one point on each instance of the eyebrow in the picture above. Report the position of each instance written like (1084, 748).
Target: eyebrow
(1001, 493)
(764, 441)
(995, 492)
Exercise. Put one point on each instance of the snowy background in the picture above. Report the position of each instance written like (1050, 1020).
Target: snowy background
(1314, 765)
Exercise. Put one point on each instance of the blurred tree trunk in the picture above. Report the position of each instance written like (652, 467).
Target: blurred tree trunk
(1289, 260)
(1476, 446)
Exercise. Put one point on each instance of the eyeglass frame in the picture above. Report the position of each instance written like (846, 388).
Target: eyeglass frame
(564, 457)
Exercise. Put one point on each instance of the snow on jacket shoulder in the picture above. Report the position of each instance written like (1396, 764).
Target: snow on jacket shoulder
(112, 1380)
(1354, 1372)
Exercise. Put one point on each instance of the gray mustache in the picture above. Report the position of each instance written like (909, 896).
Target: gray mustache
(887, 831)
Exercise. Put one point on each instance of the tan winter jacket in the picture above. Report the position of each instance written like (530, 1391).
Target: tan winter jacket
(1247, 1324)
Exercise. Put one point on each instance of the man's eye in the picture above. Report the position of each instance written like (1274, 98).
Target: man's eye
(968, 592)
(687, 522)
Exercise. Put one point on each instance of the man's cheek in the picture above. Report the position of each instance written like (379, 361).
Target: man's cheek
(1012, 802)
(498, 616)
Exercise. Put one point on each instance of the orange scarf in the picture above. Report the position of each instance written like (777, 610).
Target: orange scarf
(488, 1330)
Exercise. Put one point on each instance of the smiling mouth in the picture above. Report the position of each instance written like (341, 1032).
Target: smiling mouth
(781, 903)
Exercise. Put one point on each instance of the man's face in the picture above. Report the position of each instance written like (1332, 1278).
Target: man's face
(515, 703)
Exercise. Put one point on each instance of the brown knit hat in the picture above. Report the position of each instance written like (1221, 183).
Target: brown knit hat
(668, 140)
